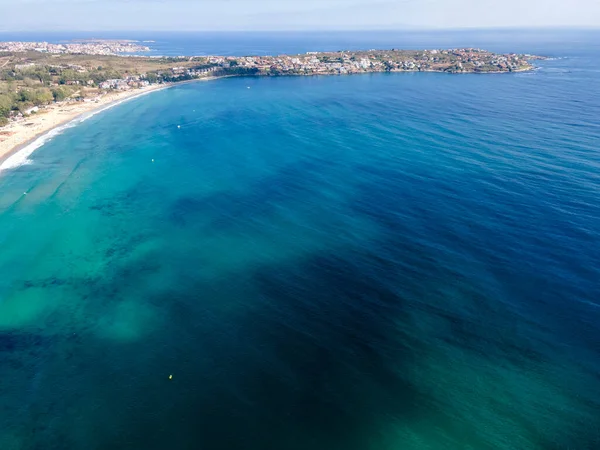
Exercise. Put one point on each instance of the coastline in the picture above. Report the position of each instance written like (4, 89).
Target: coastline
(16, 137)
(30, 134)
(19, 140)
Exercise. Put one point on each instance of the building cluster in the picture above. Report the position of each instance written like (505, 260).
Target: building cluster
(126, 83)
(84, 48)
(314, 63)
(455, 60)
(302, 64)
(311, 63)
(186, 72)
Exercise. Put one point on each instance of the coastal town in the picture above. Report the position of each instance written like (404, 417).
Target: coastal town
(466, 60)
(43, 85)
(90, 47)
(33, 75)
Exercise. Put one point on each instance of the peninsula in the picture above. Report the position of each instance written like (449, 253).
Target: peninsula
(85, 47)
(45, 85)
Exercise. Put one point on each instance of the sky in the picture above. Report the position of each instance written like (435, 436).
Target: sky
(213, 15)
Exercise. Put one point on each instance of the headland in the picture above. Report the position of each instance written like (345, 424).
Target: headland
(44, 86)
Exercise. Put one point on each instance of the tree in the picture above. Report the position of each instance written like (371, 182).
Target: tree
(242, 71)
(43, 96)
(35, 97)
(38, 73)
(151, 77)
(24, 106)
(59, 94)
(6, 104)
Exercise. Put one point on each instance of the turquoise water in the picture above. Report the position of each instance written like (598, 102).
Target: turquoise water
(406, 261)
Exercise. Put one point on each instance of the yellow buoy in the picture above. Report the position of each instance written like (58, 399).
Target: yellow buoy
(170, 377)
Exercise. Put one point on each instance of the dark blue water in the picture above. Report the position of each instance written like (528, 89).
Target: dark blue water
(543, 41)
(389, 261)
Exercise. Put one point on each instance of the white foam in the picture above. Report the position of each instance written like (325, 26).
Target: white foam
(21, 157)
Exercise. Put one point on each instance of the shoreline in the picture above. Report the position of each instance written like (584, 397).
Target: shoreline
(32, 133)
(24, 137)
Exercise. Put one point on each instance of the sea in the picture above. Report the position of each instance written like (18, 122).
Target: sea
(381, 261)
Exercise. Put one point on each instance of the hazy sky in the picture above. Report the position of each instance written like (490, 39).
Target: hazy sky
(31, 15)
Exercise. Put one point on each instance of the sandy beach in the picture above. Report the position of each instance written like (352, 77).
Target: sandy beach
(17, 134)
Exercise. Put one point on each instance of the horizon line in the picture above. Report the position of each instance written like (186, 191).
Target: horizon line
(407, 28)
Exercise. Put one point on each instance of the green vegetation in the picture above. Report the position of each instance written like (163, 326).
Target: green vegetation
(152, 77)
(23, 100)
(36, 79)
(19, 97)
(23, 86)
(239, 71)
(60, 93)
(6, 104)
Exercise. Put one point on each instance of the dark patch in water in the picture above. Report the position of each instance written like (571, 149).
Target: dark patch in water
(107, 208)
(47, 282)
(183, 209)
(297, 182)
(316, 360)
(18, 341)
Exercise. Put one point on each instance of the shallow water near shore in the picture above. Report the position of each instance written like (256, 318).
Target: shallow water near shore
(385, 261)
(11, 157)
